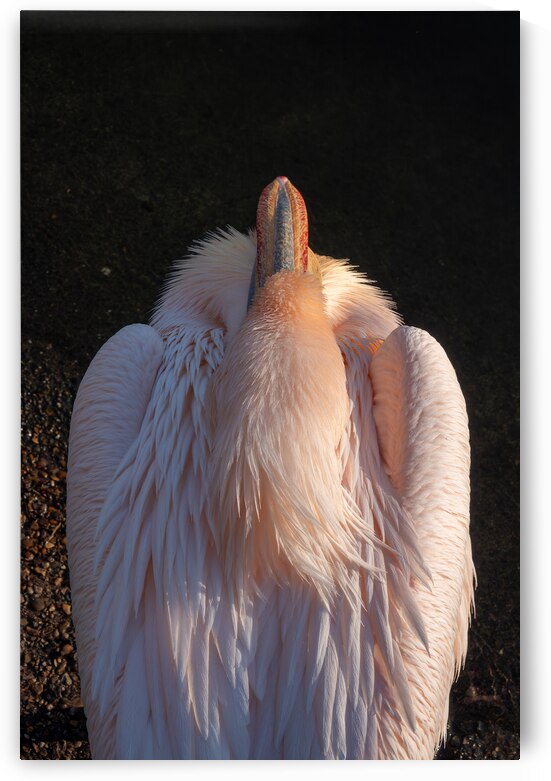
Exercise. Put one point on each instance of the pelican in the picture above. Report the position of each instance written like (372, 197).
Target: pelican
(268, 514)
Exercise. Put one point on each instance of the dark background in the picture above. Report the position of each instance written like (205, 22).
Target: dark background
(140, 132)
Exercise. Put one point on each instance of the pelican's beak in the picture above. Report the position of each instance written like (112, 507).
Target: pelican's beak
(281, 234)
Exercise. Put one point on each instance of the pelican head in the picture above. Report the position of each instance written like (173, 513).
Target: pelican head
(281, 234)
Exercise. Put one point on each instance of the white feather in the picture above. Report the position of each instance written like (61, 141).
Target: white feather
(248, 582)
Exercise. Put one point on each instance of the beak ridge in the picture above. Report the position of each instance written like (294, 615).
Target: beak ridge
(281, 232)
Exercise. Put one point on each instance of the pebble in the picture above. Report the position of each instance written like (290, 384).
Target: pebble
(38, 604)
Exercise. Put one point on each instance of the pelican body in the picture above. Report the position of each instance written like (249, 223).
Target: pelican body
(268, 514)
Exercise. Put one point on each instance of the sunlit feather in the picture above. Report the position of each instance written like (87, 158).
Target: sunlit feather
(267, 521)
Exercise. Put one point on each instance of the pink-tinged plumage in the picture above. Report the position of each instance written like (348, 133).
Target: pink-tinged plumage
(267, 522)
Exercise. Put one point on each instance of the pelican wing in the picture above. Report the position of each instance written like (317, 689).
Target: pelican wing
(422, 432)
(107, 416)
(163, 676)
(370, 678)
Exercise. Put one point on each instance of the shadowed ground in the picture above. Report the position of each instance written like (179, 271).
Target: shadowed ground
(142, 132)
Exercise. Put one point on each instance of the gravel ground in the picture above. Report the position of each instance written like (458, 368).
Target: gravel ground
(402, 134)
(52, 719)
